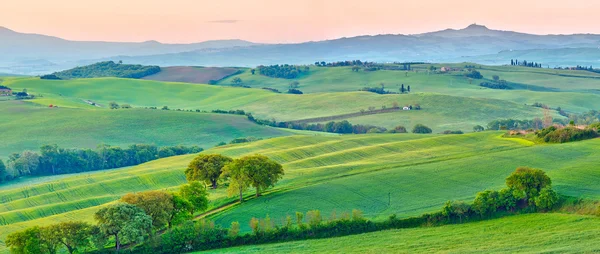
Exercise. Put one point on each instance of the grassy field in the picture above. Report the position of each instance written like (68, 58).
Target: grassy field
(414, 173)
(89, 127)
(545, 233)
(382, 175)
(200, 75)
(440, 111)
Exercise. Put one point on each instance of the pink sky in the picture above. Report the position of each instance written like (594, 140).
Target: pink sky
(184, 21)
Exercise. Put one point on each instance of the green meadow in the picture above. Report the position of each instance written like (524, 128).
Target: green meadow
(404, 174)
(531, 233)
(32, 126)
(380, 174)
(439, 111)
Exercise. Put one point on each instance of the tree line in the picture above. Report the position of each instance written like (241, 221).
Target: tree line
(282, 71)
(568, 134)
(54, 160)
(516, 62)
(105, 69)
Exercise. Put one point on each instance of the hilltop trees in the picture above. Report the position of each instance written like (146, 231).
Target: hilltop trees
(207, 168)
(126, 222)
(105, 69)
(257, 171)
(282, 71)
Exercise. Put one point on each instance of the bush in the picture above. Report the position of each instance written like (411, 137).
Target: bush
(547, 199)
(486, 202)
(50, 77)
(496, 85)
(568, 134)
(452, 132)
(474, 75)
(478, 128)
(294, 91)
(398, 129)
(422, 129)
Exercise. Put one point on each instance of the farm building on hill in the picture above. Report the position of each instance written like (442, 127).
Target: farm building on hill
(5, 91)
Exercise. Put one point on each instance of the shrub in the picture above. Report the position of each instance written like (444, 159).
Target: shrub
(398, 129)
(486, 202)
(113, 105)
(294, 91)
(474, 75)
(496, 85)
(478, 128)
(547, 199)
(452, 132)
(422, 129)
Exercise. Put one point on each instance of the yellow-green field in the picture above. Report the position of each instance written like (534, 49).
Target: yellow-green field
(341, 173)
(533, 233)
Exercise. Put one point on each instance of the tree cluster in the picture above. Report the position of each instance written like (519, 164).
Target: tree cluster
(256, 171)
(568, 134)
(526, 189)
(53, 160)
(516, 62)
(421, 129)
(106, 69)
(282, 71)
(474, 75)
(377, 90)
(501, 84)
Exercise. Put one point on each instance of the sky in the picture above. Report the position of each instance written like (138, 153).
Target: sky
(287, 21)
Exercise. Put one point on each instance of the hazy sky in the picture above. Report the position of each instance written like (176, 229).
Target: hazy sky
(182, 21)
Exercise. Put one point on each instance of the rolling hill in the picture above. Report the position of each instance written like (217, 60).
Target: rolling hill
(379, 174)
(545, 233)
(440, 111)
(89, 127)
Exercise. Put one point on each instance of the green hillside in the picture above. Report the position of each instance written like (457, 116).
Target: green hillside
(440, 111)
(88, 127)
(327, 173)
(545, 233)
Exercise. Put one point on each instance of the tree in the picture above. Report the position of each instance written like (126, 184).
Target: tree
(507, 199)
(3, 172)
(157, 204)
(254, 170)
(73, 234)
(546, 199)
(126, 222)
(196, 194)
(422, 129)
(456, 208)
(294, 84)
(402, 90)
(478, 128)
(485, 202)
(236, 81)
(113, 105)
(207, 168)
(253, 71)
(496, 78)
(528, 181)
(26, 241)
(408, 89)
(183, 210)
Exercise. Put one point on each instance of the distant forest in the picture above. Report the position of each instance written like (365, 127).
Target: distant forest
(105, 69)
(282, 71)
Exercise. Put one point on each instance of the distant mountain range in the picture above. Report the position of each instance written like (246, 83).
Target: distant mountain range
(31, 53)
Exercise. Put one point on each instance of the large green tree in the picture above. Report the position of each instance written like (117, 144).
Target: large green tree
(126, 222)
(528, 181)
(26, 241)
(207, 168)
(72, 234)
(182, 210)
(157, 204)
(196, 194)
(257, 171)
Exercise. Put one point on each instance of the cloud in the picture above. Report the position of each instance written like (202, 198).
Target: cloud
(225, 21)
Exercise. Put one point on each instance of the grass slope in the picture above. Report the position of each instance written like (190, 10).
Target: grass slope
(418, 172)
(440, 111)
(382, 175)
(545, 233)
(29, 126)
